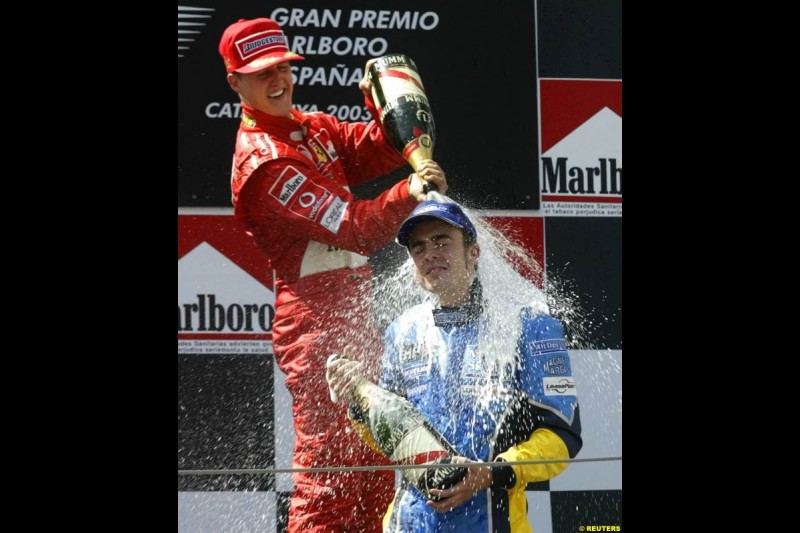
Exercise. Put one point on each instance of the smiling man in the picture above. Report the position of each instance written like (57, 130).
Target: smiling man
(290, 185)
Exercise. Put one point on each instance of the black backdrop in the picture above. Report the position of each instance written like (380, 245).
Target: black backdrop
(479, 72)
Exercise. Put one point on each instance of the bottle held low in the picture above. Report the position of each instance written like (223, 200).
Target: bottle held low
(406, 437)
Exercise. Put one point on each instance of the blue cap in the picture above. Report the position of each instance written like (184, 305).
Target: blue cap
(447, 211)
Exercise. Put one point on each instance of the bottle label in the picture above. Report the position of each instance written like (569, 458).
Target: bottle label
(403, 107)
(418, 446)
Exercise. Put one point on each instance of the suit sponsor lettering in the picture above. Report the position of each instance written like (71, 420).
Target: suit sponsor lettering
(312, 214)
(556, 365)
(552, 345)
(287, 184)
(409, 352)
(332, 218)
(555, 386)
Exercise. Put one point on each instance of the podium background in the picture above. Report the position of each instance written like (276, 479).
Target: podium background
(515, 90)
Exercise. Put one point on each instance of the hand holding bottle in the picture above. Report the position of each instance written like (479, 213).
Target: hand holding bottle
(343, 374)
(477, 478)
(366, 82)
(429, 172)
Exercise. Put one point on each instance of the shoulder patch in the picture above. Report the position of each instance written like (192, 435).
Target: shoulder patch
(306, 198)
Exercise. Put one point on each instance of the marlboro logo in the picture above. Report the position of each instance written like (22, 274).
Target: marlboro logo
(228, 299)
(601, 178)
(581, 162)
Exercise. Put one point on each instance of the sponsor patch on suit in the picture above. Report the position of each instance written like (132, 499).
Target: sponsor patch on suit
(303, 197)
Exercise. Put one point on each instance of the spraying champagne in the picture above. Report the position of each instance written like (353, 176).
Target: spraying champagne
(402, 434)
(403, 108)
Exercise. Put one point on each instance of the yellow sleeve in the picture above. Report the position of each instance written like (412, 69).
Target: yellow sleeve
(542, 444)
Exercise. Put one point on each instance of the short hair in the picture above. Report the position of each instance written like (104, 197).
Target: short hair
(468, 239)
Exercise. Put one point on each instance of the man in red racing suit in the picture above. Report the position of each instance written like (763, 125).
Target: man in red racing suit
(290, 184)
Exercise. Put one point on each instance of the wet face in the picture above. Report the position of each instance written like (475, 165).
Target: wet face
(268, 90)
(444, 265)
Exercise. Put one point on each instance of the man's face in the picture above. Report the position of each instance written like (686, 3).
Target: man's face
(443, 265)
(268, 90)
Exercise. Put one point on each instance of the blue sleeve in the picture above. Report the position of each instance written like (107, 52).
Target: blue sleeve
(546, 375)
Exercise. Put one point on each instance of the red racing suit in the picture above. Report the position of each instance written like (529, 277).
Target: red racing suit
(290, 181)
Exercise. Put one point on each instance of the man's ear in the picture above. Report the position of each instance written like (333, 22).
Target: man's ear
(475, 253)
(233, 81)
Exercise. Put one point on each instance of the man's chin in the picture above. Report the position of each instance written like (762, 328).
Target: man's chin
(279, 106)
(434, 285)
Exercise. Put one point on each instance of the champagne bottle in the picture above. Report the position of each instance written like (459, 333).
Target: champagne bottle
(403, 108)
(406, 437)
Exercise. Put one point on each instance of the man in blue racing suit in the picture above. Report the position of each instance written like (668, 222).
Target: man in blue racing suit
(490, 373)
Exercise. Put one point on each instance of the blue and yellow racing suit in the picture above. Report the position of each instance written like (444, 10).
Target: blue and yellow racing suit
(523, 407)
